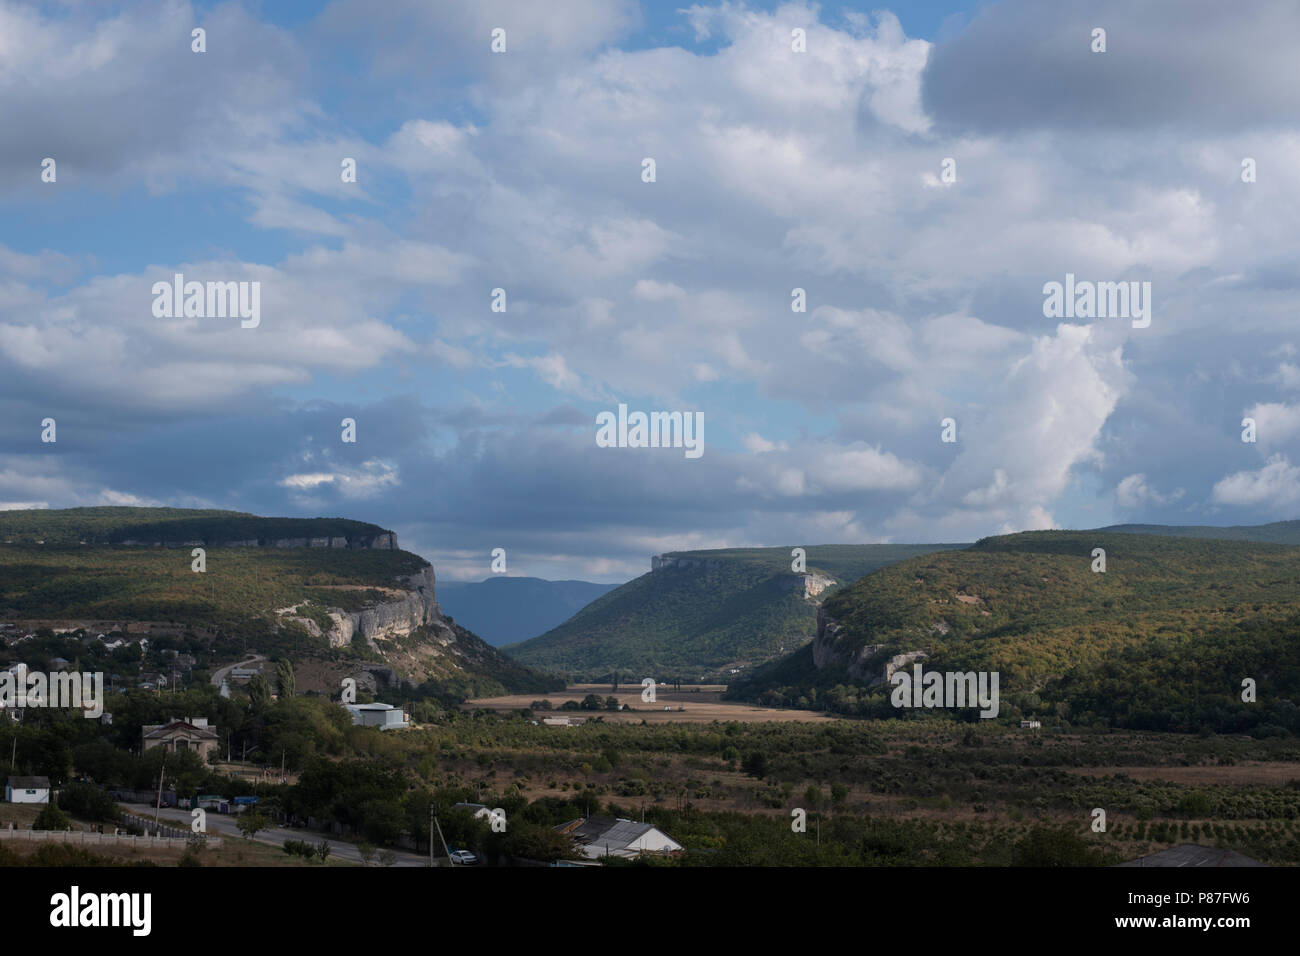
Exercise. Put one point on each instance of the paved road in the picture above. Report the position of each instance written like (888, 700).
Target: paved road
(220, 674)
(224, 825)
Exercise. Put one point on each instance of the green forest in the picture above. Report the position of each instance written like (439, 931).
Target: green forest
(1161, 640)
(109, 525)
(733, 608)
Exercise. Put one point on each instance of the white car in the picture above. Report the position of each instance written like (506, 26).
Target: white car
(463, 856)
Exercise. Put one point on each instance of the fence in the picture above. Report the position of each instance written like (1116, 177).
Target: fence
(131, 821)
(92, 839)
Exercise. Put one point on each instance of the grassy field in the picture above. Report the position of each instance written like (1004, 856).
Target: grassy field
(696, 704)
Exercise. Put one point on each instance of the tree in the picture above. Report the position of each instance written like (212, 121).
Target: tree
(755, 764)
(284, 676)
(51, 818)
(323, 850)
(1054, 846)
(259, 693)
(250, 822)
(367, 852)
(381, 820)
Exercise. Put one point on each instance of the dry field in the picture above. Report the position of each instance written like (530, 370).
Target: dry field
(699, 704)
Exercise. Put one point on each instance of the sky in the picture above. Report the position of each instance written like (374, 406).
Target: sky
(922, 173)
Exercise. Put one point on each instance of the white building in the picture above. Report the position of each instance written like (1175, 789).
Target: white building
(383, 716)
(606, 836)
(27, 790)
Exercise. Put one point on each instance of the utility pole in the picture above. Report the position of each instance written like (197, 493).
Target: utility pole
(158, 805)
(438, 826)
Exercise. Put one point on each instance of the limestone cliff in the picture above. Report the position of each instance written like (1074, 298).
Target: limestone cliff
(413, 607)
(829, 650)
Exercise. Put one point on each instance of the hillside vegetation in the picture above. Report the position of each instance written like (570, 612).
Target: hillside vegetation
(1277, 532)
(72, 526)
(710, 612)
(230, 608)
(157, 584)
(1161, 640)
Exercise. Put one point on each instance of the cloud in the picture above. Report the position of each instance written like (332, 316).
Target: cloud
(776, 170)
(1023, 65)
(1276, 485)
(1133, 493)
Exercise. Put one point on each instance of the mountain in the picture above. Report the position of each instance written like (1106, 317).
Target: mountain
(182, 527)
(1161, 640)
(313, 588)
(703, 614)
(1278, 532)
(504, 610)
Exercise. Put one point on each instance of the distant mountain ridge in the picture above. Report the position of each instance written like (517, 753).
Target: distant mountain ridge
(1276, 532)
(505, 610)
(184, 527)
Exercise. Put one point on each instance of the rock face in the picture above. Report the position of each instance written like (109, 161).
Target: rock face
(828, 652)
(379, 622)
(811, 584)
(390, 619)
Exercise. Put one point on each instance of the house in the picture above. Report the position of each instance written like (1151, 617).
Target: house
(1031, 725)
(605, 836)
(564, 721)
(192, 733)
(383, 716)
(27, 790)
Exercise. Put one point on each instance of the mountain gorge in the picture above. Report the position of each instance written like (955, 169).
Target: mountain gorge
(505, 610)
(705, 615)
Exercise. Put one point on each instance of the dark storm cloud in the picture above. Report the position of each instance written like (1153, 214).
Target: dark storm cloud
(1025, 64)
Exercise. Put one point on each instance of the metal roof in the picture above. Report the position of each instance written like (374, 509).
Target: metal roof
(30, 783)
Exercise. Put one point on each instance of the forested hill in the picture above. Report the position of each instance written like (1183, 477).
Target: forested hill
(180, 526)
(1161, 640)
(280, 592)
(1278, 532)
(701, 614)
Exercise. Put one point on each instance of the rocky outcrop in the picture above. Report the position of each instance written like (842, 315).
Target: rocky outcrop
(828, 651)
(383, 621)
(811, 584)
